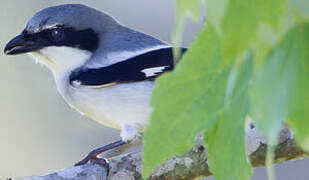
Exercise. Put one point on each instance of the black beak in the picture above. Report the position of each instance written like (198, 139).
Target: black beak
(20, 45)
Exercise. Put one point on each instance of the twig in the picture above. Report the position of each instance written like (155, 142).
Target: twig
(192, 164)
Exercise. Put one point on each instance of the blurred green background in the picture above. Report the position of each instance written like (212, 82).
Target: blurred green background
(39, 132)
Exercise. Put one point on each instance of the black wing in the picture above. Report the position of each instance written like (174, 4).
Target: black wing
(142, 67)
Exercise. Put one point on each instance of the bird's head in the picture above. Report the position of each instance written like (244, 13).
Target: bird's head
(62, 37)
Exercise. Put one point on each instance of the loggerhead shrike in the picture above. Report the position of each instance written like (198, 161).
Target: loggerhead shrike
(102, 69)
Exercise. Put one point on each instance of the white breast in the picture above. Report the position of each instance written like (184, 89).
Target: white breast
(116, 105)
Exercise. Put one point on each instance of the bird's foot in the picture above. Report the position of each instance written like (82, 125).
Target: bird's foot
(93, 155)
(95, 160)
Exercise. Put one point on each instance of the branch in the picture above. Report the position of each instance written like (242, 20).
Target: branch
(192, 164)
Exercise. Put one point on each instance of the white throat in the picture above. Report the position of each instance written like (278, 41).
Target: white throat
(61, 61)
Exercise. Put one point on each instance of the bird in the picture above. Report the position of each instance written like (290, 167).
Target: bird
(102, 69)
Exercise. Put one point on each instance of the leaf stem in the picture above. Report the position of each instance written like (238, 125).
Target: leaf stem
(270, 162)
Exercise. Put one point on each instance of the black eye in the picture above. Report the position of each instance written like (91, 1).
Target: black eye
(57, 34)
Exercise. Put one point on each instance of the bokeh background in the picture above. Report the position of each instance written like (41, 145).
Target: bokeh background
(39, 132)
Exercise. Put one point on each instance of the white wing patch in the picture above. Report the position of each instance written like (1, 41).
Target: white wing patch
(153, 71)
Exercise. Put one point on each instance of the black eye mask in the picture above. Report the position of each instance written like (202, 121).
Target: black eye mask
(63, 36)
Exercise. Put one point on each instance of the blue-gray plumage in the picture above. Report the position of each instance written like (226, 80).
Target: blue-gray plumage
(101, 68)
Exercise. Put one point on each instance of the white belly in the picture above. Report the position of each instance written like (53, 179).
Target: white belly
(116, 105)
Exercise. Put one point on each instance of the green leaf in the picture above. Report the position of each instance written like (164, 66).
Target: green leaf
(188, 8)
(301, 7)
(208, 91)
(272, 88)
(215, 12)
(184, 8)
(271, 93)
(242, 20)
(226, 148)
(202, 88)
(299, 54)
(181, 108)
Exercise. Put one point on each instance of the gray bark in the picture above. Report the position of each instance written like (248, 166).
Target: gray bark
(191, 165)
